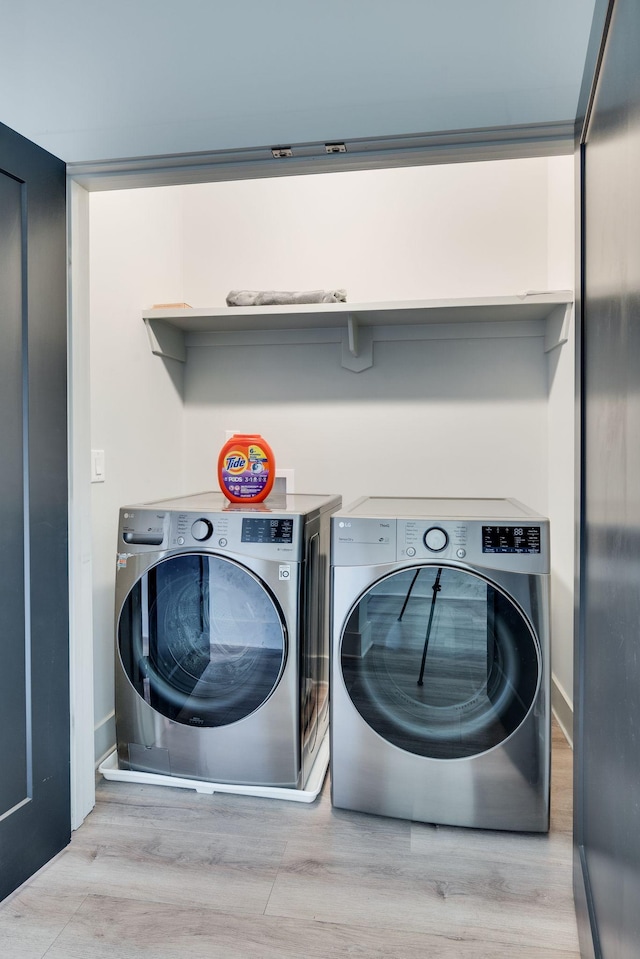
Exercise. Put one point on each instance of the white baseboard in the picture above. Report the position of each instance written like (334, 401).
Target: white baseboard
(562, 709)
(104, 738)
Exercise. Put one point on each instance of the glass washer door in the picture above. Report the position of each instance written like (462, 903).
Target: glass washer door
(440, 662)
(201, 640)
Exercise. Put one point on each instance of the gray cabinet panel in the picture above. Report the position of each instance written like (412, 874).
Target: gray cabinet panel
(14, 740)
(34, 678)
(608, 747)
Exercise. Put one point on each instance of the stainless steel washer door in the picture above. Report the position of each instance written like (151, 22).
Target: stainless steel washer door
(440, 662)
(201, 640)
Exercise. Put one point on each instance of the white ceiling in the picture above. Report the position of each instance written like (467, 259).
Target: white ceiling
(91, 80)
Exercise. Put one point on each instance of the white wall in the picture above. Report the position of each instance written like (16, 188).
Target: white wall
(456, 412)
(136, 401)
(473, 229)
(435, 417)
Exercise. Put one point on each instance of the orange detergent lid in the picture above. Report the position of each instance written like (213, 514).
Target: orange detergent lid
(246, 468)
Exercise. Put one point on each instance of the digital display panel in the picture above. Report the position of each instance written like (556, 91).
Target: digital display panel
(510, 539)
(264, 529)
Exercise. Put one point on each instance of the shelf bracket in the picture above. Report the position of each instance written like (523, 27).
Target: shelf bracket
(352, 334)
(558, 326)
(165, 340)
(357, 345)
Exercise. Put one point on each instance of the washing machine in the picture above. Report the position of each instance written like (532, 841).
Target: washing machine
(440, 688)
(222, 638)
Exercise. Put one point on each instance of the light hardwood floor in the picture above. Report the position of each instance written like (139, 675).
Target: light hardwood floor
(162, 873)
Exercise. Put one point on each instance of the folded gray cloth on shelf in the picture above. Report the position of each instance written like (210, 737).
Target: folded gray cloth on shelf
(275, 298)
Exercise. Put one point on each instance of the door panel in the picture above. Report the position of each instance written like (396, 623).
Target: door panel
(607, 749)
(34, 684)
(13, 736)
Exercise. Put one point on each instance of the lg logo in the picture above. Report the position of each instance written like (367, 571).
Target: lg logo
(343, 525)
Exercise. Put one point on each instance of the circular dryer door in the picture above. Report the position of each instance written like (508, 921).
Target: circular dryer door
(440, 662)
(201, 640)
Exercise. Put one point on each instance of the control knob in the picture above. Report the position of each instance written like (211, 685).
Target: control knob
(202, 530)
(435, 539)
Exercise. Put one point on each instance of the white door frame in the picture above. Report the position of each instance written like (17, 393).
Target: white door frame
(80, 579)
(309, 158)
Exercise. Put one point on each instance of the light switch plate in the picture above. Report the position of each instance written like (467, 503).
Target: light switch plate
(97, 466)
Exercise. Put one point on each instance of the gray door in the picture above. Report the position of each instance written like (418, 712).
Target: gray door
(34, 666)
(608, 664)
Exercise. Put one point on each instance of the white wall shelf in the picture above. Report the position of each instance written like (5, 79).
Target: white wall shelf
(167, 328)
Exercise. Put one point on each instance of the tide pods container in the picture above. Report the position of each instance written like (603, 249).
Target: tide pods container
(246, 468)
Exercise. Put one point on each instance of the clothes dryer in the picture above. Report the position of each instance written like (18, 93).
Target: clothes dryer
(222, 638)
(440, 661)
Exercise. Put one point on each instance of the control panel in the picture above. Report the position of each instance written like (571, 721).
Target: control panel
(265, 535)
(509, 545)
(422, 539)
(368, 541)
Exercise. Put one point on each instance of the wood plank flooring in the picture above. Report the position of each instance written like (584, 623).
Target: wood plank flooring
(162, 873)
